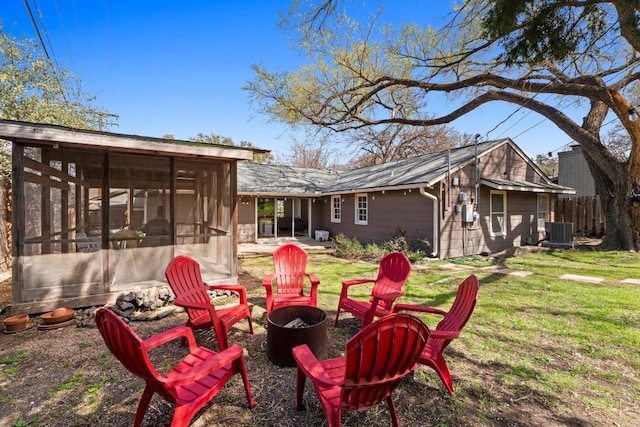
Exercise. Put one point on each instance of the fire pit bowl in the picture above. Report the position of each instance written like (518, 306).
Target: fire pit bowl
(294, 325)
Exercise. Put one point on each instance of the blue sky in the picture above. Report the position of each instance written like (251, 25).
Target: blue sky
(178, 67)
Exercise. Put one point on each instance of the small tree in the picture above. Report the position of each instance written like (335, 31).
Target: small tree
(548, 164)
(258, 155)
(32, 90)
(307, 153)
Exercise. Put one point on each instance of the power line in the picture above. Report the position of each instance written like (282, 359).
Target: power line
(64, 32)
(35, 26)
(550, 153)
(46, 34)
(46, 51)
(549, 95)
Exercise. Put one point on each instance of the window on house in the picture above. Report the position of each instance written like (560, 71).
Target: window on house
(362, 209)
(498, 213)
(336, 209)
(543, 211)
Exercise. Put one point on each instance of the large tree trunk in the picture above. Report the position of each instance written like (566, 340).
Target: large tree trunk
(616, 181)
(621, 214)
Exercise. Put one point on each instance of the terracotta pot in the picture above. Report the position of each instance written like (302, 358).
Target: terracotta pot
(15, 323)
(57, 316)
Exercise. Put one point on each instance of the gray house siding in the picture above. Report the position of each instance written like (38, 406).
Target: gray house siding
(383, 221)
(318, 206)
(459, 238)
(506, 163)
(520, 222)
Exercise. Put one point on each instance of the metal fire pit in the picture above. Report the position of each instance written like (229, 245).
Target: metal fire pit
(309, 327)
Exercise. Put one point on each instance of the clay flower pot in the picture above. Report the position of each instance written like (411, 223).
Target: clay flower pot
(16, 323)
(58, 315)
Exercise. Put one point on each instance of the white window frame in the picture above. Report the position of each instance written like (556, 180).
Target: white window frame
(493, 214)
(542, 216)
(336, 209)
(279, 208)
(358, 220)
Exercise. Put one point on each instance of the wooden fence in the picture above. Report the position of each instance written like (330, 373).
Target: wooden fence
(584, 212)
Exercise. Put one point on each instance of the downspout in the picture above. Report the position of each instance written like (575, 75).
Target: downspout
(476, 173)
(436, 236)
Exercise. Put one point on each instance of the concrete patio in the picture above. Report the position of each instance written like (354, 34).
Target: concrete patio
(267, 246)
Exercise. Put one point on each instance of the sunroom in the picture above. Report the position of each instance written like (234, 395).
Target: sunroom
(96, 214)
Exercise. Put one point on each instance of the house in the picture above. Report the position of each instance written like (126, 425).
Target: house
(95, 214)
(471, 200)
(573, 171)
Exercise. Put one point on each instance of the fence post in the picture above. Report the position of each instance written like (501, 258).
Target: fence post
(590, 226)
(600, 223)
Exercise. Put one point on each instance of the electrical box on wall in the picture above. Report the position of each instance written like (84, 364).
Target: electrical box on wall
(467, 213)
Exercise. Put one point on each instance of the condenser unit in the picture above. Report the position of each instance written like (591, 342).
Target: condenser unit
(558, 234)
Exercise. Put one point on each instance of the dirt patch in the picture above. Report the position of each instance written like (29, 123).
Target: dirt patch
(67, 377)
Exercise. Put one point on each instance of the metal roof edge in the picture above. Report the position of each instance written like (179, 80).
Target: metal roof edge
(42, 132)
(527, 187)
(334, 193)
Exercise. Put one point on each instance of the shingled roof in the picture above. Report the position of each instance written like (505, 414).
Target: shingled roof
(416, 171)
(267, 179)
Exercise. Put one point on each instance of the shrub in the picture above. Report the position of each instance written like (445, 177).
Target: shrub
(352, 248)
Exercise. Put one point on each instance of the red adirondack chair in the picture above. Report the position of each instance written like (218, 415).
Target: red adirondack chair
(392, 275)
(448, 328)
(376, 359)
(185, 279)
(290, 262)
(189, 385)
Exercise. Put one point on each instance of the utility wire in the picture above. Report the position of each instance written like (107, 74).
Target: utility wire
(35, 26)
(539, 92)
(46, 51)
(64, 32)
(46, 34)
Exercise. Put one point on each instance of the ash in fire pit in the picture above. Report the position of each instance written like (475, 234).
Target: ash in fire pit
(297, 323)
(294, 325)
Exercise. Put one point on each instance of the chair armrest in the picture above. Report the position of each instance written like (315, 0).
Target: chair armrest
(347, 283)
(211, 364)
(313, 279)
(314, 288)
(444, 335)
(169, 335)
(420, 308)
(309, 364)
(191, 304)
(389, 295)
(233, 288)
(241, 290)
(267, 281)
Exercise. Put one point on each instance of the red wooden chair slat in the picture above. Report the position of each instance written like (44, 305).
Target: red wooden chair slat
(290, 276)
(393, 273)
(185, 279)
(189, 385)
(376, 360)
(448, 328)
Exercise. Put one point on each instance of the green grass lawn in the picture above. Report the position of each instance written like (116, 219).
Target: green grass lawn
(536, 345)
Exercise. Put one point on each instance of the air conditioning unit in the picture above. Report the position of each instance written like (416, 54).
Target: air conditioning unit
(559, 234)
